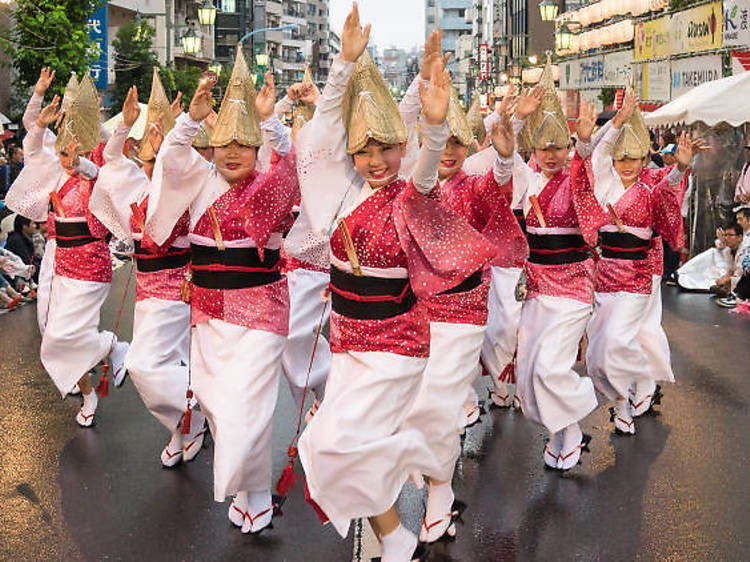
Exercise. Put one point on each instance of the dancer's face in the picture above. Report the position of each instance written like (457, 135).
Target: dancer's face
(379, 163)
(66, 160)
(235, 162)
(551, 159)
(453, 158)
(628, 169)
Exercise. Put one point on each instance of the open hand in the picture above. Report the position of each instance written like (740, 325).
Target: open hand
(177, 106)
(265, 101)
(130, 109)
(626, 111)
(309, 93)
(586, 121)
(436, 99)
(354, 39)
(46, 76)
(508, 101)
(529, 102)
(503, 138)
(49, 114)
(156, 133)
(200, 106)
(684, 152)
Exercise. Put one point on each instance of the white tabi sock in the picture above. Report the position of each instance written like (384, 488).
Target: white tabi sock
(438, 513)
(260, 511)
(398, 545)
(571, 447)
(85, 416)
(237, 509)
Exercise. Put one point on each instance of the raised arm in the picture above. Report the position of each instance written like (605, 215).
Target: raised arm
(180, 173)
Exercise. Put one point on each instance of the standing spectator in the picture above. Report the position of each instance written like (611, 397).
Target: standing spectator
(21, 243)
(16, 163)
(742, 191)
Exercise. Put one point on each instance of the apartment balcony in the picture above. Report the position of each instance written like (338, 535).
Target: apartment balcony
(274, 7)
(454, 23)
(292, 63)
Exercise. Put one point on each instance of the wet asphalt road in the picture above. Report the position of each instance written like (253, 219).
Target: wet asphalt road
(678, 490)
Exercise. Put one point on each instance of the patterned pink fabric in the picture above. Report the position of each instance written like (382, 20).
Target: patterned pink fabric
(164, 284)
(397, 227)
(255, 207)
(91, 262)
(573, 281)
(641, 206)
(484, 205)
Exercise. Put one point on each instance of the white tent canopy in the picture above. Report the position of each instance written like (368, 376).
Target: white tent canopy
(718, 101)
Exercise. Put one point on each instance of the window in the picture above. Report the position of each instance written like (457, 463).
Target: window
(228, 6)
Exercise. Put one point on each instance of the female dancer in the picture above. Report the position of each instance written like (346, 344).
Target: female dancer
(158, 357)
(71, 343)
(240, 301)
(624, 212)
(390, 246)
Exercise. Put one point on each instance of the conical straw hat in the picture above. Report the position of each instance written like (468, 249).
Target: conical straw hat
(476, 122)
(370, 112)
(203, 138)
(158, 106)
(547, 126)
(82, 119)
(633, 140)
(70, 92)
(457, 121)
(238, 118)
(304, 111)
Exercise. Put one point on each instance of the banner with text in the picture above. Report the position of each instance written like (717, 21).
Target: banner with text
(582, 74)
(694, 71)
(688, 31)
(736, 24)
(652, 81)
(617, 69)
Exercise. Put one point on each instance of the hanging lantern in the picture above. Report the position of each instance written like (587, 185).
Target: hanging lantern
(563, 37)
(191, 42)
(207, 13)
(548, 10)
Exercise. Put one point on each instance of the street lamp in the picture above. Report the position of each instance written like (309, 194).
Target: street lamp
(207, 13)
(191, 42)
(548, 10)
(261, 59)
(215, 68)
(564, 37)
(533, 59)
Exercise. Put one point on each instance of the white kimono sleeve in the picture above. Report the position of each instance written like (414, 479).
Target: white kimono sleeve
(180, 174)
(120, 183)
(327, 175)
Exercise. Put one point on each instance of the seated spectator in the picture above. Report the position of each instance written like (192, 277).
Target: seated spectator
(700, 272)
(13, 267)
(9, 297)
(742, 191)
(733, 238)
(21, 243)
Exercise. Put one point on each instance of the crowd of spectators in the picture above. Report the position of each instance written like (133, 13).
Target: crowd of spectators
(21, 249)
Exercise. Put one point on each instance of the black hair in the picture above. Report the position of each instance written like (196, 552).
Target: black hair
(744, 211)
(736, 228)
(19, 222)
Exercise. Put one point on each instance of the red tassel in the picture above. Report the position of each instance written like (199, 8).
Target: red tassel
(319, 512)
(286, 482)
(102, 389)
(287, 479)
(188, 414)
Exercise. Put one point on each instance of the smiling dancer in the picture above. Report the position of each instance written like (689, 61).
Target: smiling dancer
(71, 342)
(158, 357)
(240, 300)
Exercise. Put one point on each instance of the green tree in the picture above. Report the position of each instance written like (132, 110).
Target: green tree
(50, 33)
(183, 79)
(134, 60)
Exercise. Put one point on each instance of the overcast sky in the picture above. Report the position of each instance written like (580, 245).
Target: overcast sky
(398, 23)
